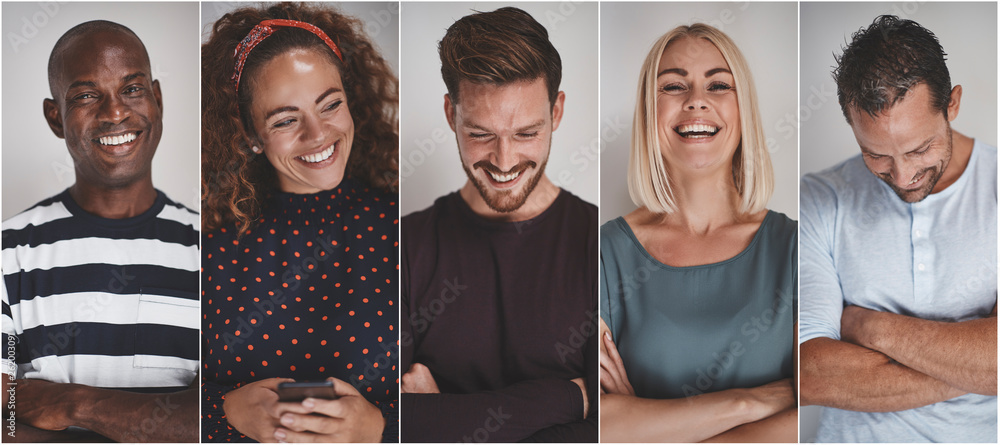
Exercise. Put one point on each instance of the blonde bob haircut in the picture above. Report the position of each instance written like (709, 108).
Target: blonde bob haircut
(648, 182)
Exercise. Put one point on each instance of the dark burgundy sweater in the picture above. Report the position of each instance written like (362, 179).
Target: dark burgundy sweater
(504, 315)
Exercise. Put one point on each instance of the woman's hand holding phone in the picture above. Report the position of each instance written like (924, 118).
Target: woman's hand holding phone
(253, 409)
(348, 418)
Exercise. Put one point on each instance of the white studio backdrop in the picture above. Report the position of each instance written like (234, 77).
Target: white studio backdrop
(429, 161)
(766, 34)
(36, 164)
(968, 34)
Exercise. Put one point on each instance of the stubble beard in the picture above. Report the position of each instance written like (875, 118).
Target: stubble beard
(913, 196)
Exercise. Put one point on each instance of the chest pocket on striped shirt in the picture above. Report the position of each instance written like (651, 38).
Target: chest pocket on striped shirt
(166, 331)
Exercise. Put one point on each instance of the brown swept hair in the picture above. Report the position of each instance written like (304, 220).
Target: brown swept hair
(235, 181)
(499, 47)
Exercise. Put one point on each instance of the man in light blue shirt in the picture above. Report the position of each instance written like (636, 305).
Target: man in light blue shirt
(898, 256)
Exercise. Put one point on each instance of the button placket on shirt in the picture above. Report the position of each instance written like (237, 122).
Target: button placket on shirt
(923, 252)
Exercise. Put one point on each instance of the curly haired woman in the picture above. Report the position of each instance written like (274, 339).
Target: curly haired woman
(300, 252)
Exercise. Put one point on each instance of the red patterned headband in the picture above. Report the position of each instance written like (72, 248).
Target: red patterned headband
(265, 29)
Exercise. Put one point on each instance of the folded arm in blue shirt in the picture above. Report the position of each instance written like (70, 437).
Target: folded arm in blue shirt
(963, 354)
(891, 362)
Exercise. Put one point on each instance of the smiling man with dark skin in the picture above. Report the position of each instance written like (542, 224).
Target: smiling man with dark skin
(102, 87)
(103, 301)
(898, 292)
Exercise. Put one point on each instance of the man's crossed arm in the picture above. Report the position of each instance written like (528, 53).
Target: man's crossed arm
(890, 362)
(44, 409)
(512, 414)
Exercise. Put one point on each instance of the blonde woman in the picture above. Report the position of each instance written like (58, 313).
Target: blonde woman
(699, 283)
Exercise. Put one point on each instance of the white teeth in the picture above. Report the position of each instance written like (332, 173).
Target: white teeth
(117, 140)
(504, 178)
(697, 128)
(321, 156)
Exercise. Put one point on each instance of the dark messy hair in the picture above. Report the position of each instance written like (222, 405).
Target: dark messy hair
(885, 60)
(235, 181)
(83, 29)
(499, 47)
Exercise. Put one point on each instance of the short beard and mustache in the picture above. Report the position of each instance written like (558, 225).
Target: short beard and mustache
(935, 173)
(920, 193)
(505, 201)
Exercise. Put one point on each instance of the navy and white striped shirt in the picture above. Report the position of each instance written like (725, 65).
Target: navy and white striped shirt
(109, 303)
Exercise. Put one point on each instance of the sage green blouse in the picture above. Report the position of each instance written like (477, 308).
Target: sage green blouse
(683, 331)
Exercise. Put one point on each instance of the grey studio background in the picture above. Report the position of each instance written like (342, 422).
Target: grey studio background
(968, 33)
(766, 33)
(381, 22)
(36, 164)
(429, 162)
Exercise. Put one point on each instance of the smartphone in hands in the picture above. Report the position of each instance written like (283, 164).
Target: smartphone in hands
(297, 391)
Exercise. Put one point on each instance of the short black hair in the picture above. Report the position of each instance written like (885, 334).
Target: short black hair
(78, 30)
(885, 60)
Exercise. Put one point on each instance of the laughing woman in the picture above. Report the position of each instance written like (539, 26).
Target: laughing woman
(299, 206)
(699, 283)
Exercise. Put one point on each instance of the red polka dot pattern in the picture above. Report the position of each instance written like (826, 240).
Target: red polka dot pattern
(293, 298)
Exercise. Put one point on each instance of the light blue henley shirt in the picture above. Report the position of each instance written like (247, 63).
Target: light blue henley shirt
(935, 259)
